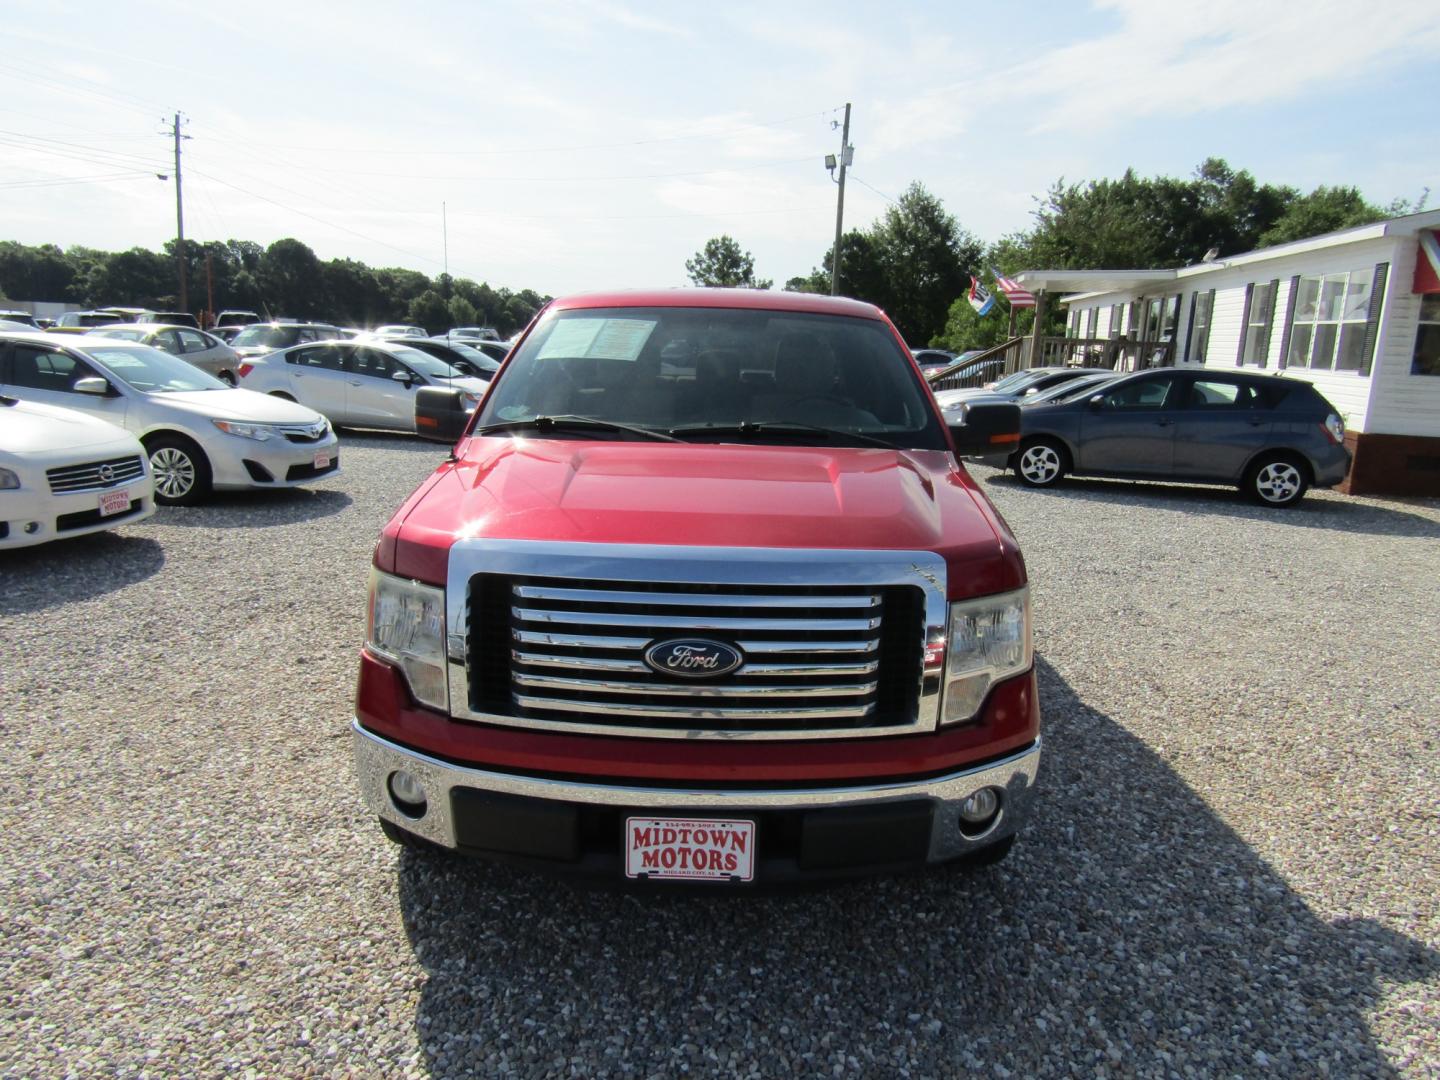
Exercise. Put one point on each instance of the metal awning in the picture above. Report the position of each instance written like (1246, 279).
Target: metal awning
(1061, 282)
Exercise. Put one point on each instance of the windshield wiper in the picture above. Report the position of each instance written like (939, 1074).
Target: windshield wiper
(778, 427)
(561, 423)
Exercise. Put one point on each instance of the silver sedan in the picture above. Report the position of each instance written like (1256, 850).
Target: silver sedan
(205, 351)
(366, 384)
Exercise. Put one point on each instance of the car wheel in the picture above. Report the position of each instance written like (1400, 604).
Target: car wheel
(182, 473)
(1277, 480)
(1040, 463)
(228, 377)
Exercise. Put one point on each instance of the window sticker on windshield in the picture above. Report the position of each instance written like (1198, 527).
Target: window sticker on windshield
(600, 339)
(118, 359)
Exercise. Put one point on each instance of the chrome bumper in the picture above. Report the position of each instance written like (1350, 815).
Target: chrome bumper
(376, 759)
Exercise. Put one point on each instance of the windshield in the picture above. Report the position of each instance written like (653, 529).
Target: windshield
(1017, 380)
(128, 335)
(475, 356)
(425, 364)
(269, 337)
(1076, 388)
(746, 374)
(152, 371)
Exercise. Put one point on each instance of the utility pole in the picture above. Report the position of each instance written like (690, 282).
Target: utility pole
(180, 217)
(846, 153)
(445, 232)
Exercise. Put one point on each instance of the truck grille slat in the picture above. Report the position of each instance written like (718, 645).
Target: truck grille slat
(635, 667)
(692, 622)
(816, 658)
(95, 475)
(703, 600)
(692, 690)
(753, 716)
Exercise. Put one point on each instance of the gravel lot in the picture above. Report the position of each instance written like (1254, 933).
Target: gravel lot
(1233, 870)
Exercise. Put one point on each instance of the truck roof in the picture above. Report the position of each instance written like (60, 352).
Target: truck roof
(751, 299)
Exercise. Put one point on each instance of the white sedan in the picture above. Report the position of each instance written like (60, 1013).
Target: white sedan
(366, 384)
(63, 473)
(205, 351)
(198, 432)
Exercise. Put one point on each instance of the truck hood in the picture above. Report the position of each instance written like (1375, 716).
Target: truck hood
(709, 495)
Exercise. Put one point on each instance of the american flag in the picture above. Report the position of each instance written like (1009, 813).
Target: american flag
(1017, 296)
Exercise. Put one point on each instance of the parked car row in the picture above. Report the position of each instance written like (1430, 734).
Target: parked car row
(198, 433)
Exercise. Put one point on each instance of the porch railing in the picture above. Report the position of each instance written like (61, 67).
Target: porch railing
(992, 364)
(1118, 354)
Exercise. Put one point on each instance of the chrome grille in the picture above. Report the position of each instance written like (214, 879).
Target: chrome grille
(95, 475)
(812, 655)
(553, 636)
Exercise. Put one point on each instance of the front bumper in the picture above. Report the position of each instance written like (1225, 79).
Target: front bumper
(803, 832)
(274, 463)
(29, 516)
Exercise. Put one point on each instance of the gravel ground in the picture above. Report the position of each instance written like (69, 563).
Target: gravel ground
(1233, 869)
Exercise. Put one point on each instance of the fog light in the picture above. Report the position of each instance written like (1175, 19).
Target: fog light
(32, 527)
(407, 793)
(979, 810)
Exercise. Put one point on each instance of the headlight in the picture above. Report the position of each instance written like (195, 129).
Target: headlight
(258, 432)
(989, 640)
(9, 479)
(407, 627)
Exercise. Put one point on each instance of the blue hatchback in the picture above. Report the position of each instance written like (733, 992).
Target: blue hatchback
(1272, 436)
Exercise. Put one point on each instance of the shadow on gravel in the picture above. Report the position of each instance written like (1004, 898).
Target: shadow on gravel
(1346, 514)
(255, 509)
(1131, 931)
(82, 568)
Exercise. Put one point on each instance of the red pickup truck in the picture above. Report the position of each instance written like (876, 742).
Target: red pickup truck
(703, 594)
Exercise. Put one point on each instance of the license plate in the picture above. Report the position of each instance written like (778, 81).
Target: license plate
(684, 849)
(114, 502)
(322, 459)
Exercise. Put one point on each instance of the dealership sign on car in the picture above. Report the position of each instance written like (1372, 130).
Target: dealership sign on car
(682, 850)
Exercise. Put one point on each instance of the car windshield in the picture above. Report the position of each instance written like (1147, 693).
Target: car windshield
(269, 337)
(719, 374)
(425, 364)
(1017, 380)
(151, 371)
(475, 356)
(1072, 391)
(128, 335)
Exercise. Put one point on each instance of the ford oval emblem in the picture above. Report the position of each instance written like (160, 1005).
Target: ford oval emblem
(693, 658)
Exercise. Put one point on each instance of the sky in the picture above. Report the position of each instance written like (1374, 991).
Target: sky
(591, 144)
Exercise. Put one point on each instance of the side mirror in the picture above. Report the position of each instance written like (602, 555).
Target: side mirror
(440, 414)
(92, 384)
(403, 376)
(1096, 403)
(986, 428)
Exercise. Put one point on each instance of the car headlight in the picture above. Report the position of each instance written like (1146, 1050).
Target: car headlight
(258, 432)
(407, 627)
(989, 640)
(9, 479)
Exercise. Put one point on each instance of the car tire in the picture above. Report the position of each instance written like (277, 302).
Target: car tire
(181, 470)
(1041, 463)
(228, 378)
(1277, 480)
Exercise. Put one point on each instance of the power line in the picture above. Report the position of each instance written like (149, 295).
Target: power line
(877, 191)
(413, 152)
(61, 181)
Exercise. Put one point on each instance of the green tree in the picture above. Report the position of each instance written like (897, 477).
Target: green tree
(1325, 209)
(429, 310)
(721, 264)
(925, 260)
(462, 312)
(290, 274)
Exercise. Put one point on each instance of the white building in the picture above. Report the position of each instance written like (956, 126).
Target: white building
(1355, 312)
